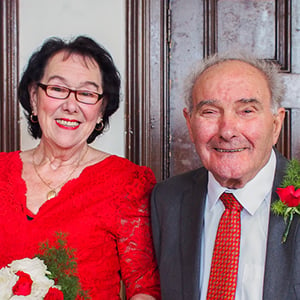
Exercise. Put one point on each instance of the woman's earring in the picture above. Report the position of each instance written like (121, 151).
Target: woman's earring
(99, 126)
(33, 118)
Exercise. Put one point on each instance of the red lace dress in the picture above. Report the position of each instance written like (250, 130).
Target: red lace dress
(106, 216)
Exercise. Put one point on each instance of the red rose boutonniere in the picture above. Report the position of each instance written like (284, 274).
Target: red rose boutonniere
(289, 203)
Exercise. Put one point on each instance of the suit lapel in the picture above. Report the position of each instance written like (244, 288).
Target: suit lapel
(191, 228)
(279, 256)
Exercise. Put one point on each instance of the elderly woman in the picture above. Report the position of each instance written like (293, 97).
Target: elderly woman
(99, 201)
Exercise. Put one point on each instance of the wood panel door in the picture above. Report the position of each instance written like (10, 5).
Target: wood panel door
(184, 31)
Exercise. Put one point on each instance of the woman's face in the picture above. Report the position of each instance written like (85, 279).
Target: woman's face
(68, 123)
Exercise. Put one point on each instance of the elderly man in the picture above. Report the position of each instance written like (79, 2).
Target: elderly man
(214, 233)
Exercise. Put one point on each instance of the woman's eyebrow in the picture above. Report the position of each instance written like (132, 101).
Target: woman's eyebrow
(81, 84)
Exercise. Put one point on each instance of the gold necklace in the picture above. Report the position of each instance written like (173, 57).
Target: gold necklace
(52, 193)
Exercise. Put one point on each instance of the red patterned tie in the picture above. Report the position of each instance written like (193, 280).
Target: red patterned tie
(225, 260)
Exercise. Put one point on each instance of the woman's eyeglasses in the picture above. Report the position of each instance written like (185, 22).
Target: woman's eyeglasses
(61, 93)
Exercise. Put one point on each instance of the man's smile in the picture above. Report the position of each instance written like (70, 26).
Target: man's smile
(230, 150)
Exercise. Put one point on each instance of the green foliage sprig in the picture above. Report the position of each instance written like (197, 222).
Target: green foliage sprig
(292, 176)
(289, 194)
(61, 263)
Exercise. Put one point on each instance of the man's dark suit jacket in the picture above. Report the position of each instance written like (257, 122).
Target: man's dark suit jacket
(177, 221)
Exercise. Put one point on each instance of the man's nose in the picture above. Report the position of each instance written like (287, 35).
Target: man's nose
(228, 126)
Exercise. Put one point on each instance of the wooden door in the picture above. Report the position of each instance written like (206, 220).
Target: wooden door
(184, 31)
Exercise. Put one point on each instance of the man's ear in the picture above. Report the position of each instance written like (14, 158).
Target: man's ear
(187, 116)
(278, 121)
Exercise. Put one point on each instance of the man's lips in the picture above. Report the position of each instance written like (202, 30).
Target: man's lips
(230, 150)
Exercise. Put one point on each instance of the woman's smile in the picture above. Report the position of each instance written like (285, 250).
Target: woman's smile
(68, 124)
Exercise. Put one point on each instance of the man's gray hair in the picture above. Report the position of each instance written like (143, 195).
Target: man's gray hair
(269, 69)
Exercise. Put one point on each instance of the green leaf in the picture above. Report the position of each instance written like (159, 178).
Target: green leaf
(279, 208)
(61, 262)
(292, 176)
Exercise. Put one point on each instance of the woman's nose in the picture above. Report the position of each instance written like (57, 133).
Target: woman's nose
(70, 103)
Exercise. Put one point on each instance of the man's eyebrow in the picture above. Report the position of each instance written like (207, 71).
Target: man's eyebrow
(200, 104)
(249, 100)
(205, 102)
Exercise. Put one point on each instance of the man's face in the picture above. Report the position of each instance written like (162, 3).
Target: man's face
(232, 124)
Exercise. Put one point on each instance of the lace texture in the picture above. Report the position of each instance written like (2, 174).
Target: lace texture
(105, 212)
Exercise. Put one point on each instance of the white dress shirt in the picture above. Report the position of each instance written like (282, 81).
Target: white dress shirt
(255, 198)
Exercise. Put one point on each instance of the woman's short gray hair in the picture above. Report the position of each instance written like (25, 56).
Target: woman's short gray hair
(269, 68)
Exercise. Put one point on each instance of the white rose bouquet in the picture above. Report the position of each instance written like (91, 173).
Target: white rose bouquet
(27, 279)
(50, 275)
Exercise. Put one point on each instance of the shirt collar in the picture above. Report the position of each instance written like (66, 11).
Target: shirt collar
(252, 194)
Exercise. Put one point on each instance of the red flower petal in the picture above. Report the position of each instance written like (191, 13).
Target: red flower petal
(54, 294)
(23, 285)
(289, 196)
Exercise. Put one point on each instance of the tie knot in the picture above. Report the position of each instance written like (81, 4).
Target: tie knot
(230, 202)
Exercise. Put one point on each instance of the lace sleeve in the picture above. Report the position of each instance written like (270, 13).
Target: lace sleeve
(138, 264)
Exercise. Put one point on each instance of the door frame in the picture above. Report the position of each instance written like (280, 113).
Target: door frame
(147, 80)
(9, 76)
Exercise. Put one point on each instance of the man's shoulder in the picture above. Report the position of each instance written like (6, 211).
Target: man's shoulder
(184, 181)
(169, 195)
(282, 161)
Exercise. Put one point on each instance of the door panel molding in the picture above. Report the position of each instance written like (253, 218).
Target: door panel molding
(147, 112)
(9, 65)
(284, 140)
(282, 34)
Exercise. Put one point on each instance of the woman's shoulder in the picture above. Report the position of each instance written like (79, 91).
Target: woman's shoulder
(125, 167)
(6, 158)
(13, 154)
(114, 162)
(130, 185)
(118, 170)
(10, 164)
